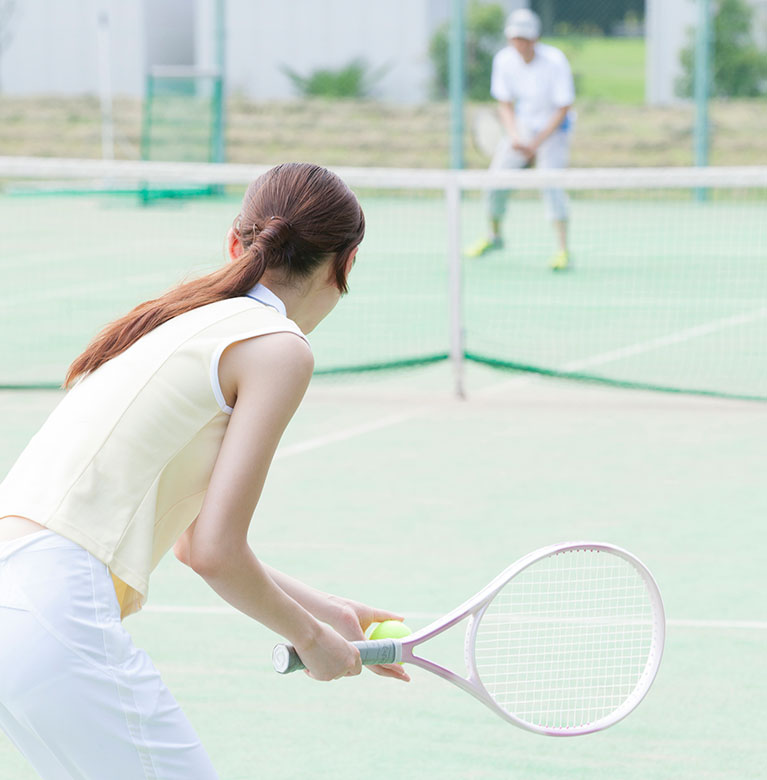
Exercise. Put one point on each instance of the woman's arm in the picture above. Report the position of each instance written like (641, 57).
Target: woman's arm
(264, 380)
(271, 374)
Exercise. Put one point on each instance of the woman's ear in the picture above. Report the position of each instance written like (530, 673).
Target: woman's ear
(233, 244)
(350, 261)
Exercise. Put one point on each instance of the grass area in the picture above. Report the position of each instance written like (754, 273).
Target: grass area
(366, 133)
(606, 69)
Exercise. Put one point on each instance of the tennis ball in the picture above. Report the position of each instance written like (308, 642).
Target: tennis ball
(390, 629)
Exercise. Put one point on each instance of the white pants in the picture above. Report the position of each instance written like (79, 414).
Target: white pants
(77, 698)
(554, 152)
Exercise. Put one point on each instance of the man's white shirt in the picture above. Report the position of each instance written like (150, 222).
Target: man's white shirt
(538, 88)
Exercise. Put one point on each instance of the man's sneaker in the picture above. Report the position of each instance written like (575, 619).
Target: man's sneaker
(484, 246)
(560, 261)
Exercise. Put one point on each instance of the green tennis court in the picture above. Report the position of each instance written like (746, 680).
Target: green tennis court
(389, 490)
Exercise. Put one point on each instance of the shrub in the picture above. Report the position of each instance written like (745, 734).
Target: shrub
(739, 67)
(355, 80)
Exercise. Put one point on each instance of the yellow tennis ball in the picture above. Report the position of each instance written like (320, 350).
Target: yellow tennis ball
(390, 629)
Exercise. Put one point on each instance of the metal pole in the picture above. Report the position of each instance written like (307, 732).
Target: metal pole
(219, 152)
(103, 45)
(456, 82)
(453, 198)
(702, 84)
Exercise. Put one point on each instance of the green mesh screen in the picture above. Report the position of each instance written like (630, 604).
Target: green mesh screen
(183, 121)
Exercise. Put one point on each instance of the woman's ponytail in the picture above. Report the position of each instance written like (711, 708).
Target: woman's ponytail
(293, 218)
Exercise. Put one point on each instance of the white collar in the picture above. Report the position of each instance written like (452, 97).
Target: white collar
(267, 297)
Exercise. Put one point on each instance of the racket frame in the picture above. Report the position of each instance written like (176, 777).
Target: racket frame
(403, 650)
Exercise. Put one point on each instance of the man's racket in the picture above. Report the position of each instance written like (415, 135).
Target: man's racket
(486, 131)
(566, 641)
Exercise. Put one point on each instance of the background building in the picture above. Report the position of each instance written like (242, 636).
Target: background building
(50, 47)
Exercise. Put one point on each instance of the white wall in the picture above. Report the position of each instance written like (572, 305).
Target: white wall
(667, 23)
(760, 21)
(53, 49)
(306, 35)
(169, 30)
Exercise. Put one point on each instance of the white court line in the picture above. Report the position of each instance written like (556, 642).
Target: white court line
(103, 286)
(747, 625)
(573, 366)
(349, 433)
(664, 341)
(600, 359)
(613, 303)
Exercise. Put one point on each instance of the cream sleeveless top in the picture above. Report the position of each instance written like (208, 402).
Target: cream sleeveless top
(122, 464)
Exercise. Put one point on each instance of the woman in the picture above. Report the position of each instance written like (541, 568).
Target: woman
(164, 440)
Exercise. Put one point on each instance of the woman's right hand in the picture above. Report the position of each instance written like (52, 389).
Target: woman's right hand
(328, 656)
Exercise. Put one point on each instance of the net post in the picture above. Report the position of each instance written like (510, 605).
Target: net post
(701, 88)
(453, 200)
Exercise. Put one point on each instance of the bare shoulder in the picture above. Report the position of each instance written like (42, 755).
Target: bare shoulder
(282, 361)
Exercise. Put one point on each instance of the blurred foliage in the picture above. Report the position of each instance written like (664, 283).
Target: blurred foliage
(739, 67)
(355, 80)
(484, 37)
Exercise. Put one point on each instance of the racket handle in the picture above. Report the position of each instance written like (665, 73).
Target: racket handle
(372, 651)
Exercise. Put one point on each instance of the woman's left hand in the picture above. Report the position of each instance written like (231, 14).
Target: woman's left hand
(351, 619)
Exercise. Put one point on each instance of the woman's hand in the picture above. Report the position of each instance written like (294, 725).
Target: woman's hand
(328, 656)
(351, 619)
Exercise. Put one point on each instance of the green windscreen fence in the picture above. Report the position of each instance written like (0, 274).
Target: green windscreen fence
(183, 121)
(667, 287)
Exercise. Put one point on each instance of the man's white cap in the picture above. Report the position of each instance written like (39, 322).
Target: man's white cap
(523, 23)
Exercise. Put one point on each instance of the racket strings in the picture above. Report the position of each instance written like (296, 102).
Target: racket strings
(566, 642)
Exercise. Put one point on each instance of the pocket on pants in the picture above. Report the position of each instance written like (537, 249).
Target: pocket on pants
(12, 598)
(11, 595)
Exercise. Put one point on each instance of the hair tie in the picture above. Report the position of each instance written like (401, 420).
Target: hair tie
(283, 220)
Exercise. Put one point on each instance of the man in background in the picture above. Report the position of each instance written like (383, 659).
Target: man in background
(533, 84)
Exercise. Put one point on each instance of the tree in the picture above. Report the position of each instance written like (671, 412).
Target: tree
(739, 66)
(484, 37)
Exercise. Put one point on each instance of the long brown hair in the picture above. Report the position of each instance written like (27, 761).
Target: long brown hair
(293, 218)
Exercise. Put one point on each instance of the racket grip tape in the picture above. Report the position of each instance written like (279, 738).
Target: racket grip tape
(372, 651)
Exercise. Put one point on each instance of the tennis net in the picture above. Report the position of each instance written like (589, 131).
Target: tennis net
(668, 287)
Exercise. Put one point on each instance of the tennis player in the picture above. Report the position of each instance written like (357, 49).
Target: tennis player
(164, 440)
(533, 85)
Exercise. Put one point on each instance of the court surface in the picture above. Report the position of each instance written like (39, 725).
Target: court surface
(389, 490)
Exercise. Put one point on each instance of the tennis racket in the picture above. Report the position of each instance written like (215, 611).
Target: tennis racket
(566, 641)
(486, 132)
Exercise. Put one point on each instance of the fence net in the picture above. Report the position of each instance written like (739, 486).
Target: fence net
(667, 288)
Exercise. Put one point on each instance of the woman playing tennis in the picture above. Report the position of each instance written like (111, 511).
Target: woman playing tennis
(164, 440)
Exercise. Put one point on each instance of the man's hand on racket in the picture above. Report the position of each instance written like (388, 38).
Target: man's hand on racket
(528, 150)
(351, 619)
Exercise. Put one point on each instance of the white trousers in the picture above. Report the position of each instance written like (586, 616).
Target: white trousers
(77, 698)
(554, 152)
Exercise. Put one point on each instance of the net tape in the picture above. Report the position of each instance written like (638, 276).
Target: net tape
(395, 178)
